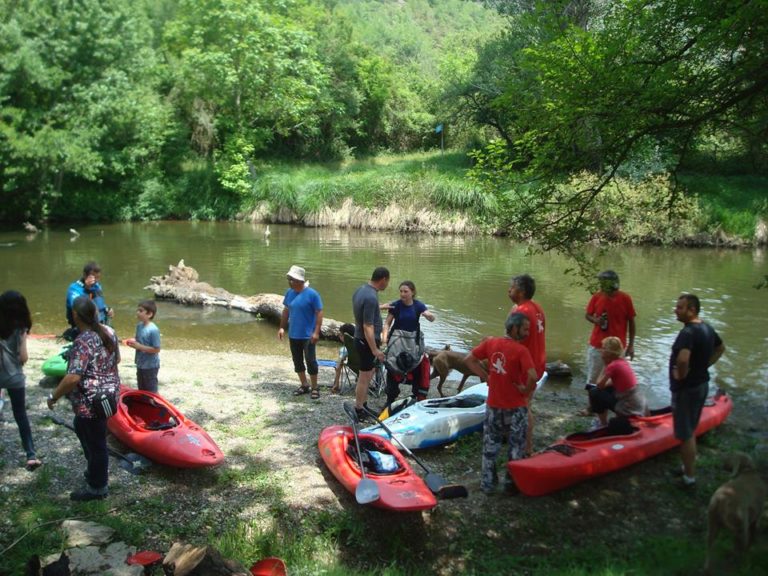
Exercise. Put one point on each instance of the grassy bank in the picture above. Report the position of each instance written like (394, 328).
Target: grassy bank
(368, 193)
(274, 496)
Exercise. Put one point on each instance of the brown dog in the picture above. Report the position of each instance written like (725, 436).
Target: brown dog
(737, 505)
(446, 360)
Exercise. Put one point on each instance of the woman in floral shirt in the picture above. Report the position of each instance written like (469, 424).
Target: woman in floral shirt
(92, 368)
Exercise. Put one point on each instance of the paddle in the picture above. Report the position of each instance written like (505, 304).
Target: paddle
(436, 483)
(367, 490)
(131, 462)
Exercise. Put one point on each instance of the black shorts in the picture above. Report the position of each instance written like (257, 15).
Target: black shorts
(686, 409)
(367, 359)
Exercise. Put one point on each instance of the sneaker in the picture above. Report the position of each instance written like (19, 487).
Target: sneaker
(86, 494)
(688, 481)
(595, 425)
(362, 414)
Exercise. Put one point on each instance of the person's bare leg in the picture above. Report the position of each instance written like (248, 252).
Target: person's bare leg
(688, 456)
(361, 389)
(313, 380)
(303, 379)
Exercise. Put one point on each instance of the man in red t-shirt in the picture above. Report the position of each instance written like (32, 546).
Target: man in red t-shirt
(521, 291)
(511, 378)
(612, 314)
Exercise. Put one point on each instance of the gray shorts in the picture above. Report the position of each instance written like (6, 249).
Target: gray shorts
(146, 379)
(686, 409)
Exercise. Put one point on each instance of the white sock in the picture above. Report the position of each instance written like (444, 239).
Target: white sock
(688, 480)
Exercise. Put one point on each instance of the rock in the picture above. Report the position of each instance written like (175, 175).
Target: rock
(79, 533)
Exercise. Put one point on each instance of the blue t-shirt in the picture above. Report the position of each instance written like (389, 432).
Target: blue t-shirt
(407, 317)
(302, 312)
(148, 335)
(365, 306)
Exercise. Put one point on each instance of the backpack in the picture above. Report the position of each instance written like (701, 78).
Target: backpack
(404, 351)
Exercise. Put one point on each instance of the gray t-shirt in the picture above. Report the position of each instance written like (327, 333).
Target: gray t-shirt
(11, 373)
(365, 306)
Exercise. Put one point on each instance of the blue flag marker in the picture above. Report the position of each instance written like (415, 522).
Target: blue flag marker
(438, 128)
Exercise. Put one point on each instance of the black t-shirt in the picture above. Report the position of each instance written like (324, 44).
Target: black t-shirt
(702, 340)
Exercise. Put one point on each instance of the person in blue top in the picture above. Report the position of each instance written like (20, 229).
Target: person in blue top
(88, 285)
(404, 314)
(303, 316)
(147, 346)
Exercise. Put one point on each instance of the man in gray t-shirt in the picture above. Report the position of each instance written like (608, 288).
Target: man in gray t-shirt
(368, 324)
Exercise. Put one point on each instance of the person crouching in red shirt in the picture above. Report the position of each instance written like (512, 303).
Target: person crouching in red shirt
(511, 378)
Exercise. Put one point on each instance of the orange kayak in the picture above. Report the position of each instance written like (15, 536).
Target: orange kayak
(150, 425)
(400, 488)
(585, 455)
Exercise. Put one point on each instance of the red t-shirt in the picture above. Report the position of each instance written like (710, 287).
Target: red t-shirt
(621, 374)
(535, 340)
(620, 310)
(508, 365)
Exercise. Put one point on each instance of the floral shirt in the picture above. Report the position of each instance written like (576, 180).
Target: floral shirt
(97, 368)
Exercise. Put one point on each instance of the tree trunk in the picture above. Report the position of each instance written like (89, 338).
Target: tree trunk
(188, 560)
(181, 285)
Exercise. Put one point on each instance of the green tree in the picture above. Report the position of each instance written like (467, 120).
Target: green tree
(80, 115)
(637, 87)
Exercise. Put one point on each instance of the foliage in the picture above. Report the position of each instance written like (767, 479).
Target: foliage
(80, 112)
(595, 90)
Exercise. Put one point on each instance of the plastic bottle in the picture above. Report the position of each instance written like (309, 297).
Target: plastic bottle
(604, 321)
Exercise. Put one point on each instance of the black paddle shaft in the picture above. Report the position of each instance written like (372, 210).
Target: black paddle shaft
(130, 465)
(435, 482)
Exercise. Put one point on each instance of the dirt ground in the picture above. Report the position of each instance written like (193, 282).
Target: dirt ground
(246, 404)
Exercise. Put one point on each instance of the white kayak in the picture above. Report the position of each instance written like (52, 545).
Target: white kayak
(438, 421)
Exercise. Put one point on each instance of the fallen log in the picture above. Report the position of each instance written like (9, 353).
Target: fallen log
(181, 284)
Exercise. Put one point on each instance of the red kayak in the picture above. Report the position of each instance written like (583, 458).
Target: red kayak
(586, 455)
(400, 488)
(150, 425)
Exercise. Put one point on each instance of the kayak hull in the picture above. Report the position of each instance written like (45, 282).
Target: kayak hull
(582, 456)
(437, 421)
(150, 425)
(56, 365)
(401, 491)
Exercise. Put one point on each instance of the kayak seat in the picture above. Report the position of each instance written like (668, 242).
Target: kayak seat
(469, 401)
(376, 459)
(146, 412)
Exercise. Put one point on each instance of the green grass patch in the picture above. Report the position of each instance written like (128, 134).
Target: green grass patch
(732, 203)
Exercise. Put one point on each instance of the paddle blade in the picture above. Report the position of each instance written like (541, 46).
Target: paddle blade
(269, 567)
(133, 463)
(452, 491)
(441, 488)
(367, 491)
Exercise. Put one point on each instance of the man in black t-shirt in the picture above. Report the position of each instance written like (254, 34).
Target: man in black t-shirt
(695, 349)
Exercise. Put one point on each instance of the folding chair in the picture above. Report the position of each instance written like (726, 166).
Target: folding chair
(352, 370)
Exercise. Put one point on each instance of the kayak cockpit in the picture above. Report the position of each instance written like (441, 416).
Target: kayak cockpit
(146, 413)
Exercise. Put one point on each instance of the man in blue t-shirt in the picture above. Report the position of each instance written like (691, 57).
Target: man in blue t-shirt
(695, 349)
(368, 325)
(303, 316)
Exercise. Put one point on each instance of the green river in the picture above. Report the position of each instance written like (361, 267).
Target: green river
(462, 279)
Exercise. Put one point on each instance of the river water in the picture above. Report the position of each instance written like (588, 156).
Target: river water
(462, 279)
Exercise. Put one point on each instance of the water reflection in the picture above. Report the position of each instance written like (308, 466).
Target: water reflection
(463, 280)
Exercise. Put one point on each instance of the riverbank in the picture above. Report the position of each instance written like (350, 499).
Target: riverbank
(273, 495)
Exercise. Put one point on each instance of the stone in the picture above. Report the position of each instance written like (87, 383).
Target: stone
(79, 533)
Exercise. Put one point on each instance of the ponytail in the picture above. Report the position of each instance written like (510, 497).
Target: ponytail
(88, 315)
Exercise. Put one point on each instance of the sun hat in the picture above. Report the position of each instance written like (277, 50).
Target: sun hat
(297, 273)
(613, 345)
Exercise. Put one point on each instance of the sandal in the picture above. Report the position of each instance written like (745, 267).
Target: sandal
(301, 390)
(334, 391)
(315, 395)
(586, 412)
(33, 464)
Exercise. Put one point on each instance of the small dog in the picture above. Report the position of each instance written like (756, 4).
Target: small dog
(446, 360)
(736, 505)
